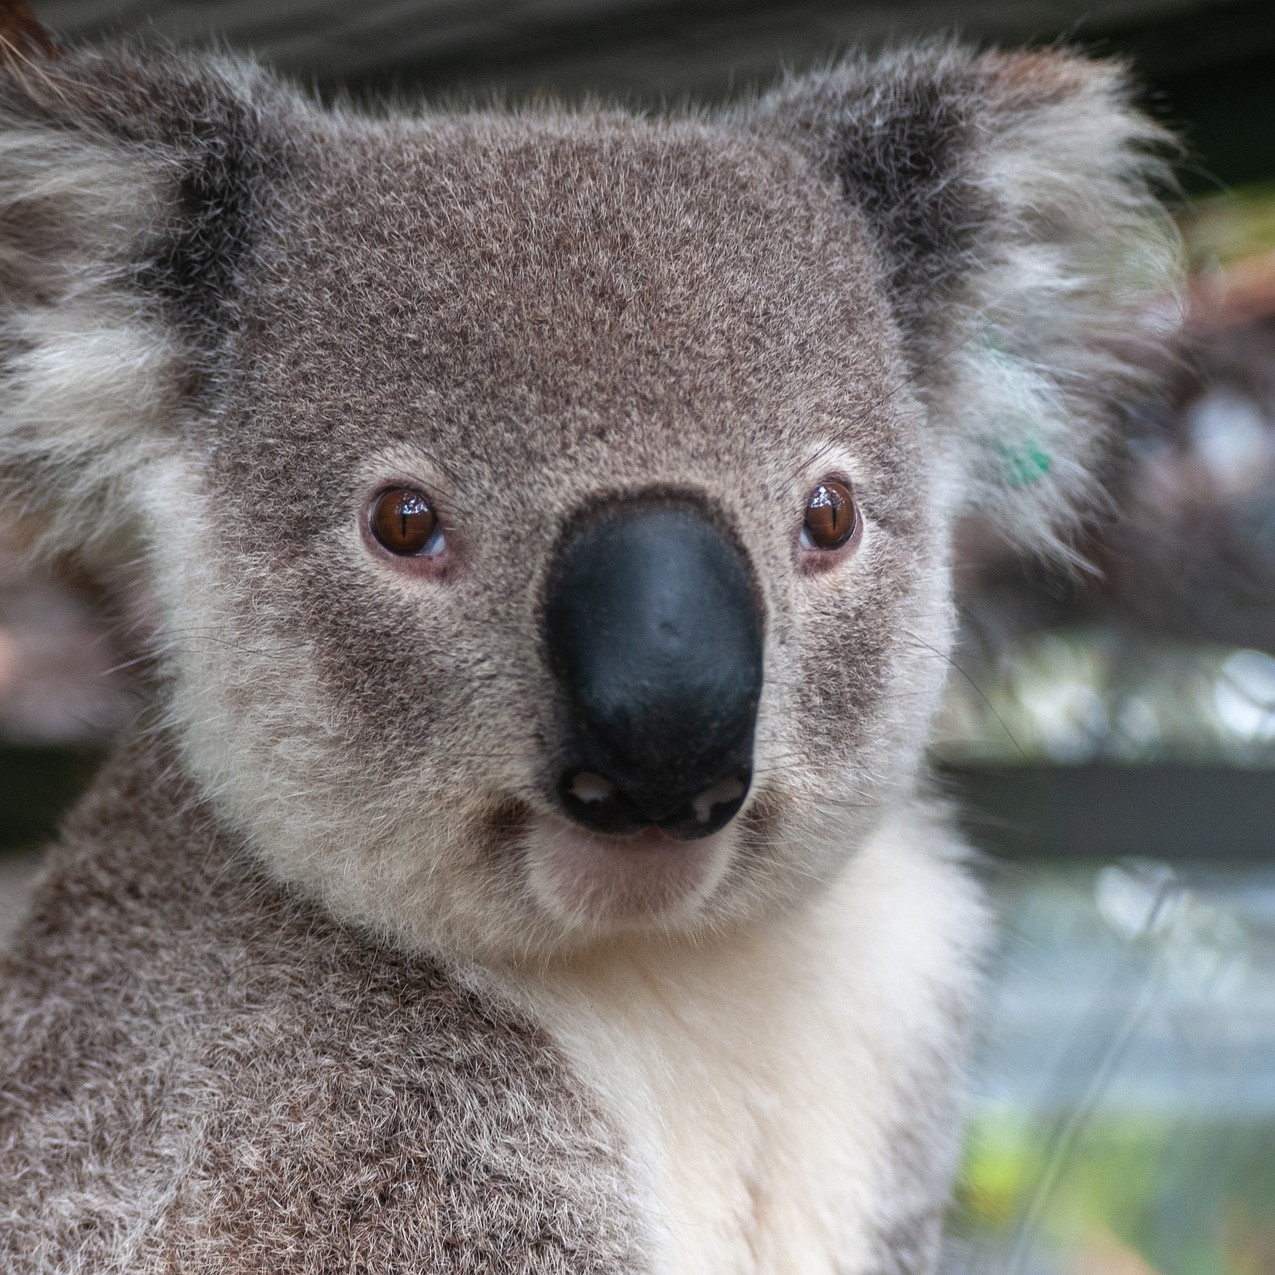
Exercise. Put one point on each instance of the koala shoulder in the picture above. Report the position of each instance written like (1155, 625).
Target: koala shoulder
(203, 1073)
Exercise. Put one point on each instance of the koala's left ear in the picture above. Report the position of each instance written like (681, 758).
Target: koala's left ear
(131, 197)
(1014, 202)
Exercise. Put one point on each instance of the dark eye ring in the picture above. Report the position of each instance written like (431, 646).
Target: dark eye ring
(832, 517)
(403, 521)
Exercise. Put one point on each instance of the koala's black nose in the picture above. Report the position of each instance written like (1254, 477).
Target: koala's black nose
(654, 633)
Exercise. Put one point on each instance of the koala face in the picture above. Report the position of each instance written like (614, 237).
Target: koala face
(545, 329)
(549, 513)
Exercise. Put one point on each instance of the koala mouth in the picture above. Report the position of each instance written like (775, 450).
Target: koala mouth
(591, 880)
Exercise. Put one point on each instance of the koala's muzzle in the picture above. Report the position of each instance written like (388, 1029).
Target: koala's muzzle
(654, 633)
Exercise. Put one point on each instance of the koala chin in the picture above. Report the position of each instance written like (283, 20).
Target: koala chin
(525, 860)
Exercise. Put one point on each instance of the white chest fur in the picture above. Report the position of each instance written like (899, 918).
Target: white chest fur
(789, 1091)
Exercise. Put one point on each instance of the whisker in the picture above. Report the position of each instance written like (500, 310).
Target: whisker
(978, 690)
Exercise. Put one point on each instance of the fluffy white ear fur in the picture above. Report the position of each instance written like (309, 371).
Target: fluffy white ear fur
(116, 171)
(1015, 202)
(87, 371)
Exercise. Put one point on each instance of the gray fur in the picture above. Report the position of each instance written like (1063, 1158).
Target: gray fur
(243, 1082)
(228, 318)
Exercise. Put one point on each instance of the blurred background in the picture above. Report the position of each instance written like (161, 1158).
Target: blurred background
(1112, 735)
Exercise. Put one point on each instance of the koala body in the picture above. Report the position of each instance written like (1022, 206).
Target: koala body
(449, 908)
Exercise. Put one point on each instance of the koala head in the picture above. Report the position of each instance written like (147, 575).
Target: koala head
(549, 513)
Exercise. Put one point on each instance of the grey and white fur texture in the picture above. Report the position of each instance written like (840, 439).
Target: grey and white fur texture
(321, 976)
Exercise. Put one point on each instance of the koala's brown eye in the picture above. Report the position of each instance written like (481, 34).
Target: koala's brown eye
(831, 516)
(405, 523)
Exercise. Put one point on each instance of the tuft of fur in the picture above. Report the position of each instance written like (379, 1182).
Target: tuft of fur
(321, 979)
(130, 186)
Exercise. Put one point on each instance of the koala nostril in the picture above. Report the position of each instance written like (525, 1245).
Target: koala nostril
(709, 810)
(590, 788)
(596, 803)
(723, 794)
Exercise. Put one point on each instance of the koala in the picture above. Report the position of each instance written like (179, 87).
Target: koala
(525, 859)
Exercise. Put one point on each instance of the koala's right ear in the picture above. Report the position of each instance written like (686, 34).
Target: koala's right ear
(1013, 201)
(129, 190)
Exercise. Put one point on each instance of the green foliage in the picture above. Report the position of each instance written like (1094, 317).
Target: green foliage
(1175, 1198)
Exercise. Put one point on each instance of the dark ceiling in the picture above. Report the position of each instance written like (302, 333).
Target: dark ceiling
(1209, 64)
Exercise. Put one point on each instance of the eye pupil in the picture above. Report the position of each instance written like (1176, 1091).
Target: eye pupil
(403, 521)
(831, 517)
